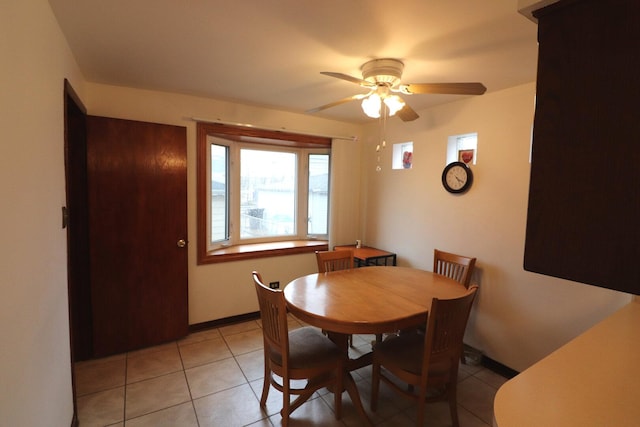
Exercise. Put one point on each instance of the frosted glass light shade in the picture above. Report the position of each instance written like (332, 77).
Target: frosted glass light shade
(371, 106)
(394, 104)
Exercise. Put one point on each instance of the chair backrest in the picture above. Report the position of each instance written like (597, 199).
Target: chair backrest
(446, 323)
(456, 267)
(334, 260)
(273, 313)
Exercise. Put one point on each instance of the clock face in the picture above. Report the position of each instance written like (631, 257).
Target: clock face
(457, 177)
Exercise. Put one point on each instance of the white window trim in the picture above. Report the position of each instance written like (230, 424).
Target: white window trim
(302, 193)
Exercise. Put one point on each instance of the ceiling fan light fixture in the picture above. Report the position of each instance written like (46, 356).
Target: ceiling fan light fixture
(371, 105)
(385, 70)
(394, 103)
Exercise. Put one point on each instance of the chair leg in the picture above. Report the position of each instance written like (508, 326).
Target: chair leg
(337, 391)
(453, 406)
(420, 417)
(286, 398)
(422, 397)
(375, 385)
(454, 416)
(266, 384)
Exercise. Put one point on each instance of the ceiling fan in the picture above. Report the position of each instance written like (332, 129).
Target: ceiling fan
(382, 78)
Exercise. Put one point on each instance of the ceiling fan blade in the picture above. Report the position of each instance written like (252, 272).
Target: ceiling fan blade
(335, 103)
(444, 88)
(407, 114)
(348, 78)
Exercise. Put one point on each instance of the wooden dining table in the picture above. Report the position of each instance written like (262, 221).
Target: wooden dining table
(367, 300)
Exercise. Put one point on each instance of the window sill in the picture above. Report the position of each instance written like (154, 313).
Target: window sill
(262, 250)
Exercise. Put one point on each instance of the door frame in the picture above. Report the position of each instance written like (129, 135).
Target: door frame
(77, 241)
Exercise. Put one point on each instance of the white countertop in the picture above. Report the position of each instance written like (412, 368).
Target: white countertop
(592, 381)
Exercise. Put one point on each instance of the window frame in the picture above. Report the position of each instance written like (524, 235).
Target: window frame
(256, 137)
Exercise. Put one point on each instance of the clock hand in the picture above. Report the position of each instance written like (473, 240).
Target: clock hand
(459, 180)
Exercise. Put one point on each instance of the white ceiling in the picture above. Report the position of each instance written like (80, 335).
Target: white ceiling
(270, 52)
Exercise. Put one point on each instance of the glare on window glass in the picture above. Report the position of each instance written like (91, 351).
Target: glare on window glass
(219, 195)
(318, 206)
(267, 193)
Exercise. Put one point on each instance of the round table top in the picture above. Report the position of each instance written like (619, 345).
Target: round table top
(368, 300)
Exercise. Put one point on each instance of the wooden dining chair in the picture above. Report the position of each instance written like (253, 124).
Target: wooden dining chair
(299, 354)
(427, 362)
(334, 260)
(457, 267)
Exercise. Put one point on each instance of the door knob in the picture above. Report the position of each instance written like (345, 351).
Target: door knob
(182, 243)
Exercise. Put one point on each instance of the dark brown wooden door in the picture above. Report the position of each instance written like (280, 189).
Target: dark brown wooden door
(137, 188)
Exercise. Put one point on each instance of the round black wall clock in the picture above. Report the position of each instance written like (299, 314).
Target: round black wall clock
(457, 177)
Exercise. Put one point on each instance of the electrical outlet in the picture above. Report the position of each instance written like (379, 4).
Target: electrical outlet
(274, 285)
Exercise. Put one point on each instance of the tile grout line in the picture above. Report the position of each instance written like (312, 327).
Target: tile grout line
(248, 383)
(184, 373)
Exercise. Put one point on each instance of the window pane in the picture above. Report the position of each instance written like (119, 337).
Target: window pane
(402, 155)
(219, 193)
(267, 193)
(318, 215)
(463, 148)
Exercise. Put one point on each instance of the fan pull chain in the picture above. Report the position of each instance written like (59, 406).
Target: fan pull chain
(383, 132)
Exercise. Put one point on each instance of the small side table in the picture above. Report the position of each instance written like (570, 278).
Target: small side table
(366, 255)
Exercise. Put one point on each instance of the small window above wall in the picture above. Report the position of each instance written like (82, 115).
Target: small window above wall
(402, 155)
(463, 148)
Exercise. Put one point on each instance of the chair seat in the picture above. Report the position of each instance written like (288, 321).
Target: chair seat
(308, 347)
(407, 352)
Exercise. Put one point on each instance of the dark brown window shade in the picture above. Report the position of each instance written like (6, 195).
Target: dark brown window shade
(583, 221)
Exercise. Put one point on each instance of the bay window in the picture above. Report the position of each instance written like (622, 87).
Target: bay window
(260, 190)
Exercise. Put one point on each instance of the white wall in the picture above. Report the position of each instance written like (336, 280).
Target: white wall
(519, 316)
(218, 291)
(35, 364)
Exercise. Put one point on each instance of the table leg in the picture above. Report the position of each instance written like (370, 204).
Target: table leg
(350, 386)
(352, 389)
(341, 340)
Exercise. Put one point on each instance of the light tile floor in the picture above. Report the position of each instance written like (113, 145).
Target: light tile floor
(214, 378)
